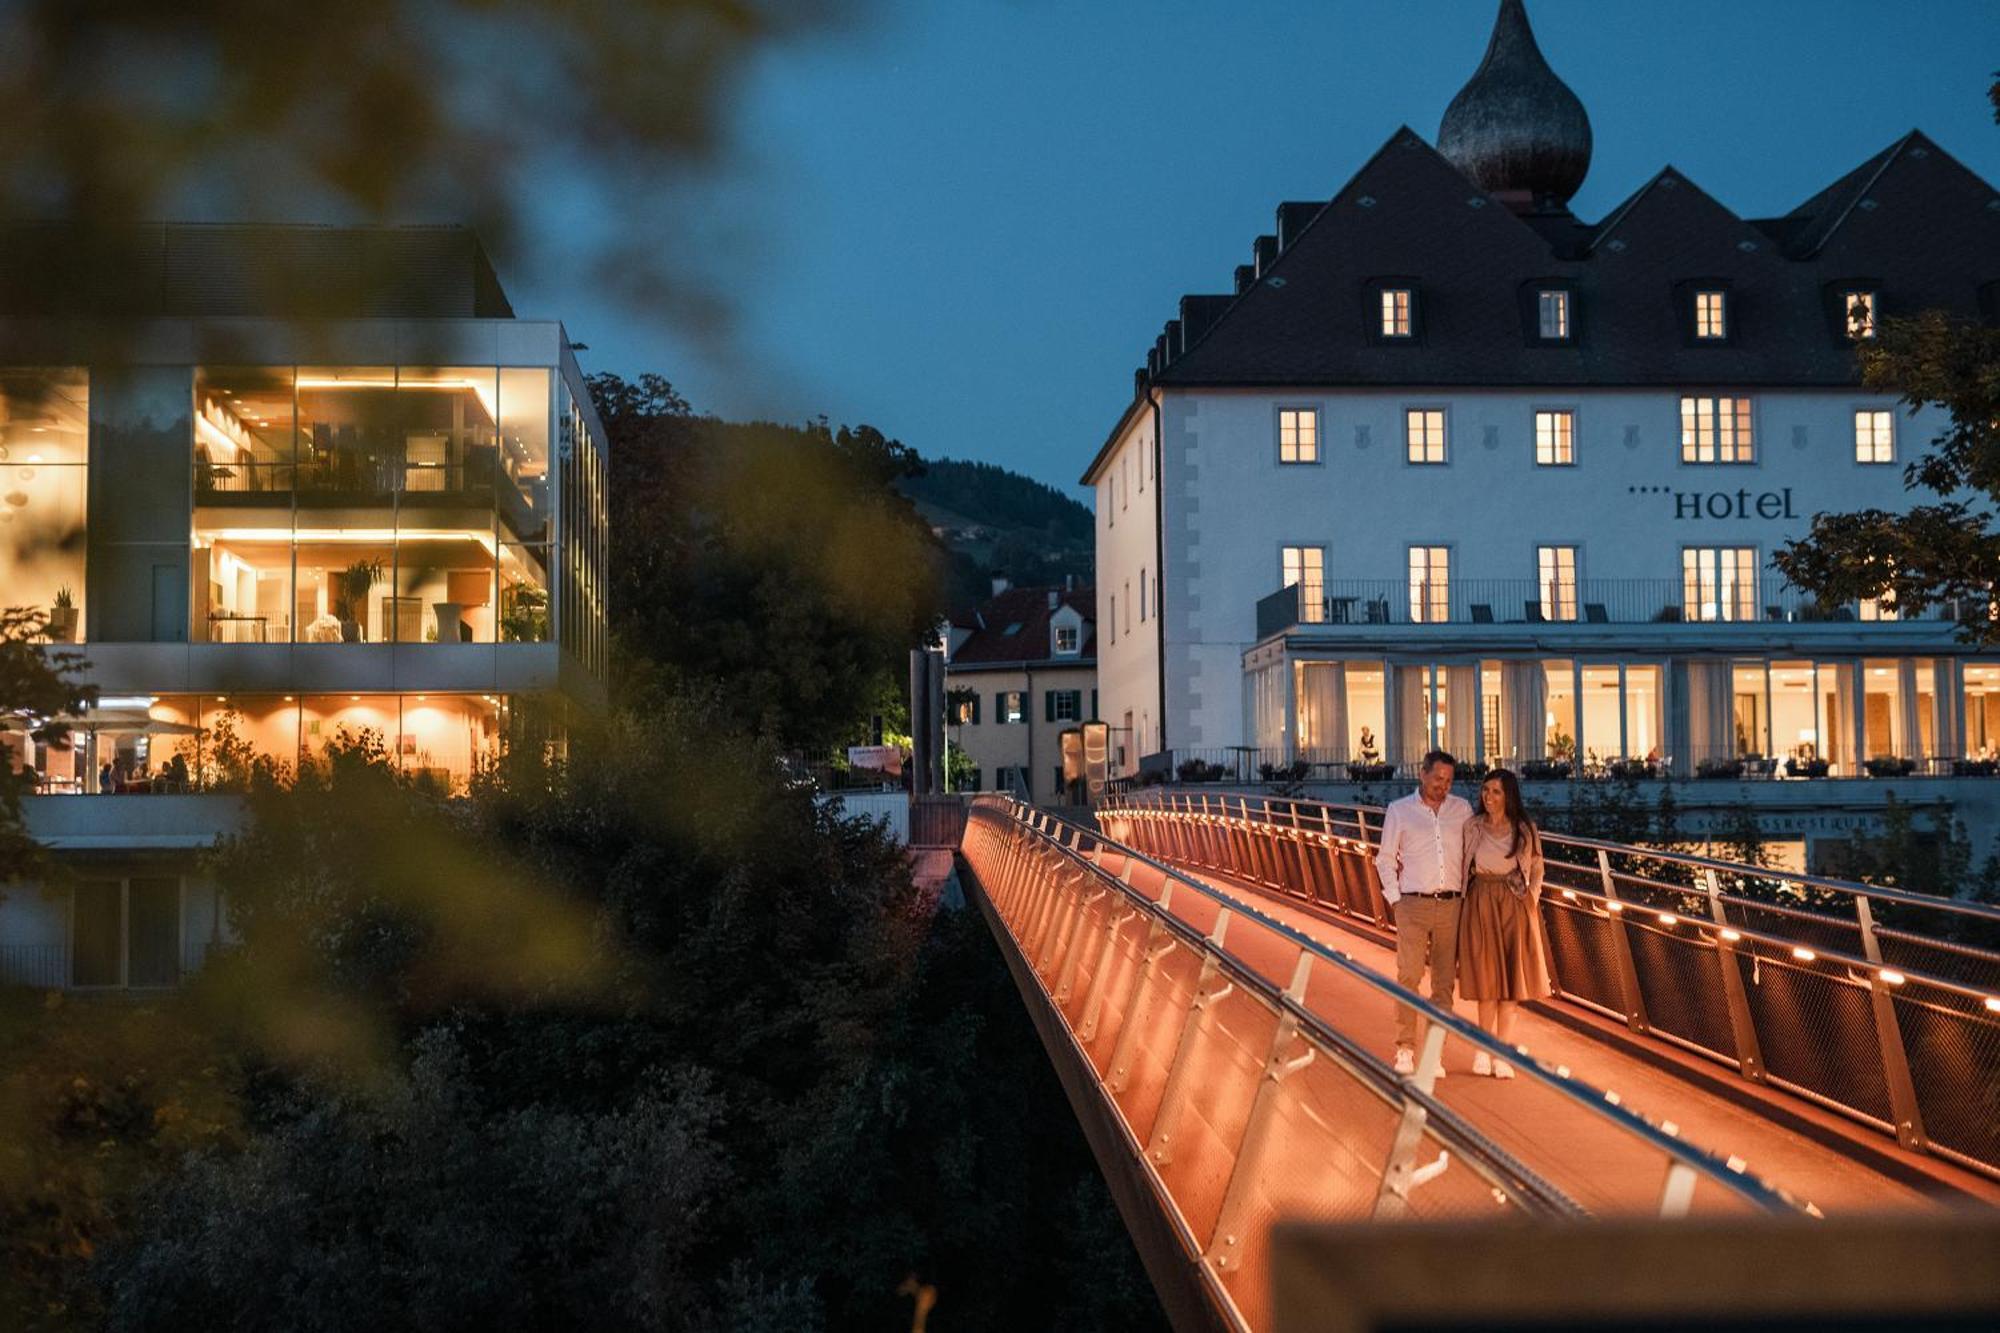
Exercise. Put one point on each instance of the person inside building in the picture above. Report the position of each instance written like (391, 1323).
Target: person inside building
(1499, 938)
(1421, 860)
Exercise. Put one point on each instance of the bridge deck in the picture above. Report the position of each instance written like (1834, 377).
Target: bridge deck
(1818, 1157)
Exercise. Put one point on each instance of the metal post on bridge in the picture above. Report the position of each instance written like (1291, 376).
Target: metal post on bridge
(1174, 1095)
(1400, 1173)
(1243, 1171)
(1889, 1035)
(1159, 943)
(1749, 1051)
(1621, 947)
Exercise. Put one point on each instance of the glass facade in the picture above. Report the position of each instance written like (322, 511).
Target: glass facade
(377, 504)
(44, 476)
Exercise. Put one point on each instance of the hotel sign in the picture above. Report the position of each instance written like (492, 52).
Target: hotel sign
(1734, 504)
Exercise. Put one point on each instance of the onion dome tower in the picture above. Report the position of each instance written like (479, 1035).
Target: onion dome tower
(1516, 129)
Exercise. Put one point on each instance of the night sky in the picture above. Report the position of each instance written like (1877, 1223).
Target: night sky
(965, 221)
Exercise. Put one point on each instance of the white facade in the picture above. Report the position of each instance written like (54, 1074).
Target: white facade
(1130, 597)
(1627, 504)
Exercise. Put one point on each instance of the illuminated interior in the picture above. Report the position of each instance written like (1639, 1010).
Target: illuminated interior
(44, 452)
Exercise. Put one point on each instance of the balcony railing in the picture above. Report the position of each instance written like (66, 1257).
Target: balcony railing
(1583, 601)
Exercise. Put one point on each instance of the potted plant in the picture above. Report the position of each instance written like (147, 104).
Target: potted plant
(62, 617)
(1886, 766)
(1632, 770)
(1719, 769)
(1545, 770)
(526, 617)
(351, 587)
(1292, 772)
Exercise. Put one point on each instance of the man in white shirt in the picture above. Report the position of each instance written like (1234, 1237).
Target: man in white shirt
(1422, 863)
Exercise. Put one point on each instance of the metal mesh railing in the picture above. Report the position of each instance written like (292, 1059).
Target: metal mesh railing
(1201, 1018)
(1878, 1003)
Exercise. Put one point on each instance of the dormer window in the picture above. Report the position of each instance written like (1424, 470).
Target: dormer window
(1398, 306)
(1711, 315)
(1552, 314)
(1859, 309)
(1066, 639)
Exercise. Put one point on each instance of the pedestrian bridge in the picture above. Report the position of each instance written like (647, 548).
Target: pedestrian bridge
(1213, 978)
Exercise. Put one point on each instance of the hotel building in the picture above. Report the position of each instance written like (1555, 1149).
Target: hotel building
(1450, 466)
(280, 485)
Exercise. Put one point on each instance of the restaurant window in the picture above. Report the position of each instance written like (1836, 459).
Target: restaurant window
(1304, 567)
(1874, 435)
(1719, 582)
(1556, 577)
(45, 444)
(1555, 438)
(1424, 428)
(1397, 309)
(1711, 315)
(1716, 430)
(1982, 711)
(1859, 307)
(1298, 435)
(1552, 314)
(1430, 584)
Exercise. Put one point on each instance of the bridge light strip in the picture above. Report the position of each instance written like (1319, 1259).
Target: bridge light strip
(1804, 955)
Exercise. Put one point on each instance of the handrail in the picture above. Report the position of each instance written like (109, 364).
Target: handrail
(1933, 1014)
(1850, 888)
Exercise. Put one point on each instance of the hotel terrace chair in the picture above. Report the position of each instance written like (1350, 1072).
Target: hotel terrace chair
(1531, 612)
(1594, 613)
(1482, 613)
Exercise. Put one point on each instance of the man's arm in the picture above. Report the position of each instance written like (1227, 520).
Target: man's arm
(1388, 857)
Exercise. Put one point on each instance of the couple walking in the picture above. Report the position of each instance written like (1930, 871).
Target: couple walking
(1464, 887)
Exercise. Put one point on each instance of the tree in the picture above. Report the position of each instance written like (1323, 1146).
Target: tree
(1945, 553)
(777, 566)
(41, 687)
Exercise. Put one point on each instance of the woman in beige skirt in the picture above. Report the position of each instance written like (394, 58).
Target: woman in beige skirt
(1499, 936)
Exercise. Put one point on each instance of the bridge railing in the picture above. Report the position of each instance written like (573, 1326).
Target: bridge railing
(1199, 1016)
(1881, 1004)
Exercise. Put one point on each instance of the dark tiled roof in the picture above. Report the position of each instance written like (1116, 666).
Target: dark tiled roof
(1911, 219)
(1027, 610)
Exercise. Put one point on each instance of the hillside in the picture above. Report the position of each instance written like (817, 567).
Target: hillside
(998, 522)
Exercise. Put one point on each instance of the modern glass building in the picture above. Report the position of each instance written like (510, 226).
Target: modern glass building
(278, 484)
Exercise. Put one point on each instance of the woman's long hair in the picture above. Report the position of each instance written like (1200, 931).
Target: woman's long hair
(1517, 814)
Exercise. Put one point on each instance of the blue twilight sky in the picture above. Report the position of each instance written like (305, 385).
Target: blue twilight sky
(964, 221)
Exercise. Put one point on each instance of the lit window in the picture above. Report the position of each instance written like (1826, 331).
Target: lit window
(1430, 585)
(1710, 319)
(1879, 608)
(1066, 638)
(1305, 568)
(1874, 436)
(1716, 430)
(1557, 569)
(1860, 314)
(1298, 435)
(1396, 312)
(1552, 314)
(1425, 429)
(1555, 438)
(1013, 706)
(1719, 583)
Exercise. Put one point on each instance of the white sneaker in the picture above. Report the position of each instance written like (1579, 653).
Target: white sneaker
(1406, 1060)
(1482, 1064)
(1501, 1069)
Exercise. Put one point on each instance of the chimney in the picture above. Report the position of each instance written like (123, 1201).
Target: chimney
(1000, 584)
(1055, 599)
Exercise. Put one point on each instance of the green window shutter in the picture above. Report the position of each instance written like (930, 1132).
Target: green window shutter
(975, 711)
(999, 707)
(1093, 705)
(1048, 705)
